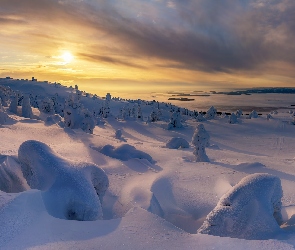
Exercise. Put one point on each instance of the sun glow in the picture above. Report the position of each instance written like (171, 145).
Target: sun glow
(67, 57)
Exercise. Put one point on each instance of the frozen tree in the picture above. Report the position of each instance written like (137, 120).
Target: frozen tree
(139, 112)
(3, 98)
(88, 122)
(106, 109)
(34, 101)
(253, 114)
(26, 107)
(154, 116)
(269, 116)
(70, 190)
(133, 111)
(211, 113)
(108, 97)
(239, 113)
(72, 118)
(47, 106)
(175, 120)
(200, 140)
(3, 115)
(200, 118)
(250, 210)
(118, 134)
(13, 104)
(233, 119)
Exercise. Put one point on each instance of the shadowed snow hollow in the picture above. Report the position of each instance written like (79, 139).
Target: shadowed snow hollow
(250, 210)
(70, 190)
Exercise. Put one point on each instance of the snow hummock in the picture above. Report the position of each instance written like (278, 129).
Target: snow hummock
(250, 210)
(124, 152)
(70, 190)
(177, 142)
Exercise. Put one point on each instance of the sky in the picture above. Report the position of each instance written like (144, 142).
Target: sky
(149, 45)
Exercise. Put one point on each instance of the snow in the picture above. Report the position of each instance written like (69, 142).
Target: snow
(177, 142)
(250, 210)
(94, 191)
(71, 190)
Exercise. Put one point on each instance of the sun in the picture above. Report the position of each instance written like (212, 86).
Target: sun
(67, 57)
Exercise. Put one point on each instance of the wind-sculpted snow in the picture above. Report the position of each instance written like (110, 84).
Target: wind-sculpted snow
(125, 152)
(70, 190)
(11, 178)
(177, 142)
(250, 210)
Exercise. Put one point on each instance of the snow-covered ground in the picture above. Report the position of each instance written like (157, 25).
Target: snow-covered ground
(157, 197)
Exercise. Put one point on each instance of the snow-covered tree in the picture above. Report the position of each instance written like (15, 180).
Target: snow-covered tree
(26, 107)
(211, 113)
(108, 97)
(269, 116)
(200, 140)
(88, 122)
(154, 116)
(233, 119)
(249, 210)
(239, 113)
(253, 114)
(139, 112)
(175, 120)
(106, 110)
(3, 115)
(118, 134)
(13, 105)
(200, 118)
(47, 106)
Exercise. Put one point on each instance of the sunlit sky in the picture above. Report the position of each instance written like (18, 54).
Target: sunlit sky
(150, 45)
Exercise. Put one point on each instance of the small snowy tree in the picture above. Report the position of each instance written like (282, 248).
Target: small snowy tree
(118, 134)
(139, 112)
(268, 117)
(47, 106)
(211, 113)
(233, 119)
(175, 120)
(253, 114)
(239, 113)
(88, 122)
(26, 107)
(200, 118)
(154, 116)
(13, 105)
(200, 140)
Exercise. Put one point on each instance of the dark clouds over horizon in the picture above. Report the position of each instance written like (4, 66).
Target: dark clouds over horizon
(252, 37)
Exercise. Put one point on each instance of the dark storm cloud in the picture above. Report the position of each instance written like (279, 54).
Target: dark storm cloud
(226, 36)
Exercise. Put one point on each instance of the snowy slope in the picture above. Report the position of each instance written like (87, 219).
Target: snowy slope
(157, 198)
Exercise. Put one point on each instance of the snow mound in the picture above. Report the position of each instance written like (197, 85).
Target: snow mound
(177, 142)
(125, 152)
(70, 190)
(250, 210)
(11, 178)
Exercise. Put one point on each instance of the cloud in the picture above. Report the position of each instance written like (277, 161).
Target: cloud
(230, 36)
